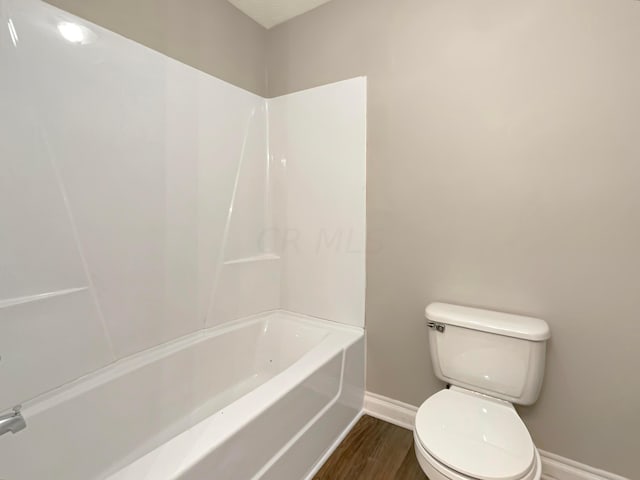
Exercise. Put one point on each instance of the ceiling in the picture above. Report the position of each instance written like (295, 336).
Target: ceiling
(269, 13)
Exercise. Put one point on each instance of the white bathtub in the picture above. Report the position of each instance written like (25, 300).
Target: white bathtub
(265, 398)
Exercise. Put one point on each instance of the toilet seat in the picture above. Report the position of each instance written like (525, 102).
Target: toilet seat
(474, 435)
(438, 471)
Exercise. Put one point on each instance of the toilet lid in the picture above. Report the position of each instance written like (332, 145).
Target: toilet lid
(475, 435)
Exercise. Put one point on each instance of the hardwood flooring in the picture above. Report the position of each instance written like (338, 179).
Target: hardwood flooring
(373, 450)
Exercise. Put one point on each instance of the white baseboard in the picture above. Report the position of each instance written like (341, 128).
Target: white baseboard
(554, 467)
(392, 411)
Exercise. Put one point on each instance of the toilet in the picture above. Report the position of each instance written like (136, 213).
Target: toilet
(490, 361)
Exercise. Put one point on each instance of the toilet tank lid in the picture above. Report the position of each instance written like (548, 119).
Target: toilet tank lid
(507, 324)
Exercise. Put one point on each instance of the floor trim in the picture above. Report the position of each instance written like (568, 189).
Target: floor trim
(392, 411)
(554, 467)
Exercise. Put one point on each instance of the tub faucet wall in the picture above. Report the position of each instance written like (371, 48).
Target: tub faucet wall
(141, 203)
(119, 171)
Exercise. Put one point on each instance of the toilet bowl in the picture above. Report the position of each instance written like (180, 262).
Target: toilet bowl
(490, 360)
(462, 435)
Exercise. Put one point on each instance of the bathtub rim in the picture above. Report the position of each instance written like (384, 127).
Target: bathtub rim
(180, 453)
(50, 399)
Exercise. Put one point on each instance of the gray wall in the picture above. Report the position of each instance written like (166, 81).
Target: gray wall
(200, 33)
(503, 172)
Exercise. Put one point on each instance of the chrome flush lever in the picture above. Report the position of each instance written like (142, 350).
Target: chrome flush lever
(436, 326)
(12, 422)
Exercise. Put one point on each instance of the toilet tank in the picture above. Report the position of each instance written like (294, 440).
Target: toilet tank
(498, 354)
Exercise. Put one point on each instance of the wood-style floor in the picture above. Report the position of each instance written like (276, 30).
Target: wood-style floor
(373, 450)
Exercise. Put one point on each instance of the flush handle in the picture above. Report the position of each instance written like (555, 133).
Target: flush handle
(436, 326)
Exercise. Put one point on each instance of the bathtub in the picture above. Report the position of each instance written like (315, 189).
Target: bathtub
(264, 397)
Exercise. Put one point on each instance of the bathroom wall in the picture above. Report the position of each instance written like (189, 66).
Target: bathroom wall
(139, 202)
(503, 173)
(297, 240)
(317, 143)
(200, 33)
(120, 170)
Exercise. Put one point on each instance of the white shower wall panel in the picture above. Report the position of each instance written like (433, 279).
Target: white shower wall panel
(319, 137)
(251, 199)
(31, 207)
(119, 169)
(246, 287)
(155, 180)
(48, 343)
(50, 328)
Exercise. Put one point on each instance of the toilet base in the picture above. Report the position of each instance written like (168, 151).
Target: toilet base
(437, 471)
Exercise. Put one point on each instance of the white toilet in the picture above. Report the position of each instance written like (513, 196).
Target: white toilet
(491, 360)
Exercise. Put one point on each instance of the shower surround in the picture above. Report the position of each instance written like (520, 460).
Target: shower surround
(145, 203)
